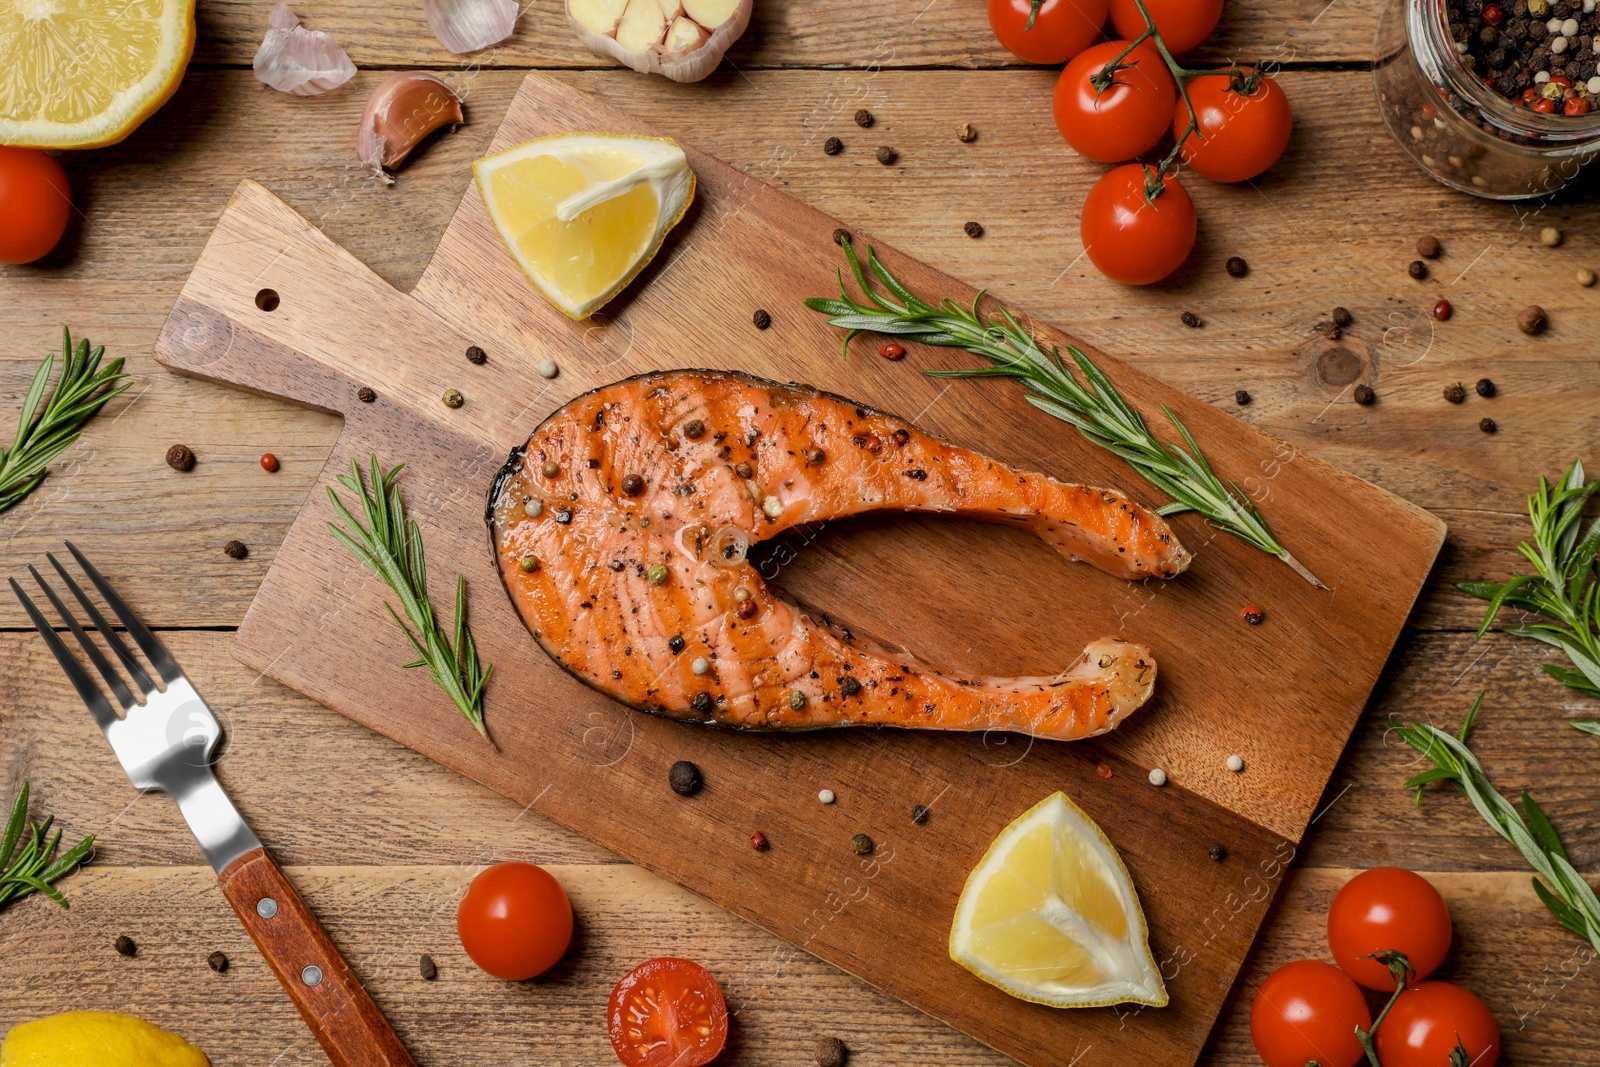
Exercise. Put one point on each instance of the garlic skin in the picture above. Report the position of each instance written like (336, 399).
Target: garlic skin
(470, 25)
(298, 61)
(401, 111)
(679, 39)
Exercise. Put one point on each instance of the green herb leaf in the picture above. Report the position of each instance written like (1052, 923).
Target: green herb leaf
(1093, 406)
(390, 545)
(35, 868)
(1588, 726)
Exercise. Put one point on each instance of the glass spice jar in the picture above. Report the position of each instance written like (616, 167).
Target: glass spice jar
(1459, 129)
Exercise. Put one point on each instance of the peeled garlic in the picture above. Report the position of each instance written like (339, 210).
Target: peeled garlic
(293, 59)
(402, 110)
(680, 39)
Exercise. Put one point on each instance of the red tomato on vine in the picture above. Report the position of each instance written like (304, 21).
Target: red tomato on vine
(1388, 909)
(1241, 133)
(1308, 1011)
(1428, 1022)
(1114, 122)
(1184, 24)
(1130, 238)
(1061, 28)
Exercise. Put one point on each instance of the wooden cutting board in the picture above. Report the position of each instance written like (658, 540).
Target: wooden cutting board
(276, 307)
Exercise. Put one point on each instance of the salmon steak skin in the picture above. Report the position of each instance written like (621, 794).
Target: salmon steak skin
(622, 530)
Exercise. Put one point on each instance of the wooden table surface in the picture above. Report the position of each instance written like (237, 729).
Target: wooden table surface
(382, 842)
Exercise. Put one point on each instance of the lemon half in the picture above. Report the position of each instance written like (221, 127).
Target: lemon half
(582, 213)
(96, 1039)
(1050, 915)
(86, 73)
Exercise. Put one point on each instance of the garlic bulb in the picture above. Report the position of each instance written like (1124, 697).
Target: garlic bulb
(293, 59)
(468, 25)
(403, 110)
(680, 39)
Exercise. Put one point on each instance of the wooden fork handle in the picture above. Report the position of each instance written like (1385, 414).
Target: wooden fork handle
(331, 999)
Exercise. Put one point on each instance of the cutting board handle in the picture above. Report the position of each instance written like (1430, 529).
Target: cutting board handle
(332, 1001)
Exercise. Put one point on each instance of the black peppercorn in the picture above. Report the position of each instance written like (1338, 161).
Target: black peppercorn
(1455, 393)
(684, 778)
(676, 644)
(831, 1052)
(701, 701)
(632, 484)
(1485, 388)
(1364, 394)
(366, 395)
(564, 516)
(1190, 319)
(1342, 317)
(973, 229)
(235, 550)
(217, 961)
(1487, 425)
(743, 469)
(761, 319)
(849, 686)
(1236, 267)
(1417, 269)
(900, 437)
(887, 155)
(1241, 397)
(1217, 852)
(863, 118)
(428, 968)
(477, 355)
(125, 946)
(180, 458)
(841, 236)
(694, 429)
(919, 814)
(833, 146)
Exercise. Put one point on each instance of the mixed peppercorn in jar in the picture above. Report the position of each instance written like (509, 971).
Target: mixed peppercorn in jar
(1499, 99)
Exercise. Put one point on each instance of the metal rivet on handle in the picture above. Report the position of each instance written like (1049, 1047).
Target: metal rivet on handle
(312, 975)
(266, 907)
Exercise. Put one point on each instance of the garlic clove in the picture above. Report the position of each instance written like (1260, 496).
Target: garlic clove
(597, 16)
(685, 35)
(670, 10)
(401, 111)
(710, 13)
(642, 26)
(295, 60)
(470, 25)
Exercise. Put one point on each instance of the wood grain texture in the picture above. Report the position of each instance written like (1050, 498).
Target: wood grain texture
(329, 996)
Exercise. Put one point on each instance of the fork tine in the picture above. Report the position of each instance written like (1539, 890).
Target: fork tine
(165, 665)
(113, 679)
(99, 707)
(117, 644)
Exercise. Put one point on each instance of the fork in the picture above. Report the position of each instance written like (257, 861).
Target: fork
(166, 744)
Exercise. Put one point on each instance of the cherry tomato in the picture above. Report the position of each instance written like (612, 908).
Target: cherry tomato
(1240, 136)
(1427, 1022)
(35, 203)
(1130, 239)
(1062, 29)
(515, 921)
(1388, 908)
(667, 1013)
(1129, 117)
(1309, 1010)
(1184, 24)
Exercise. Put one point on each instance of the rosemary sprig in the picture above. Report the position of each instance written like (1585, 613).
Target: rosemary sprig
(1562, 889)
(36, 867)
(83, 389)
(1093, 406)
(1564, 587)
(390, 545)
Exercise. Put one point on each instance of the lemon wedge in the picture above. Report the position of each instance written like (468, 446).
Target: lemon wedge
(86, 73)
(582, 213)
(96, 1039)
(1050, 915)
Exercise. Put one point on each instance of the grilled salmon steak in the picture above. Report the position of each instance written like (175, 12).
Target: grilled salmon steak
(622, 530)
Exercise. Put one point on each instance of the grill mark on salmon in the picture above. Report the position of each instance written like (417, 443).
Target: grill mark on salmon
(724, 461)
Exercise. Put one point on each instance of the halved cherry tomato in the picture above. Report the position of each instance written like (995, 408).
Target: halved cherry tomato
(1427, 1022)
(1128, 117)
(1062, 29)
(1184, 24)
(1133, 240)
(35, 204)
(515, 921)
(1308, 1011)
(1240, 136)
(667, 1012)
(1388, 908)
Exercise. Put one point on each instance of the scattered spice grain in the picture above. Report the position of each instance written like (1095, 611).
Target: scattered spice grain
(831, 1052)
(1485, 388)
(478, 356)
(861, 845)
(1190, 319)
(892, 351)
(1455, 393)
(694, 429)
(1442, 310)
(528, 564)
(797, 699)
(919, 813)
(366, 395)
(632, 485)
(1342, 317)
(758, 841)
(1487, 425)
(1586, 277)
(533, 507)
(235, 550)
(743, 469)
(269, 462)
(657, 574)
(1253, 615)
(1417, 269)
(746, 609)
(1550, 237)
(1364, 395)
(428, 968)
(180, 458)
(826, 796)
(700, 665)
(548, 368)
(967, 133)
(1235, 764)
(684, 778)
(1328, 329)
(887, 155)
(841, 236)
(1236, 267)
(125, 946)
(550, 468)
(217, 961)
(973, 229)
(452, 398)
(863, 118)
(1103, 770)
(1157, 777)
(1429, 247)
(1241, 397)
(1531, 320)
(900, 437)
(1217, 853)
(761, 319)
(832, 146)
